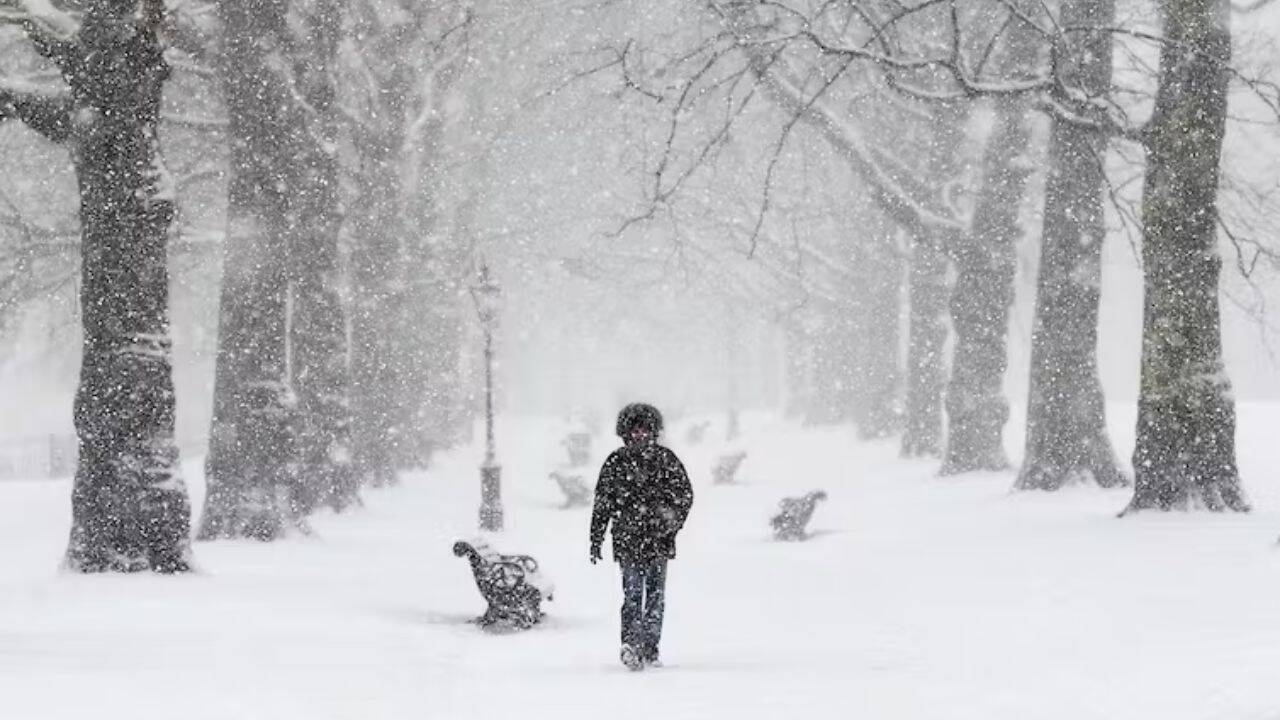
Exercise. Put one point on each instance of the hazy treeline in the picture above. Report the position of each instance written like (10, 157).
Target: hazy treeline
(859, 173)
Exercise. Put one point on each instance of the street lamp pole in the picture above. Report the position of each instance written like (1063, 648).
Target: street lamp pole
(485, 295)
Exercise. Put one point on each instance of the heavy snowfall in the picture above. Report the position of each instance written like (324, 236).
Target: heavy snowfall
(461, 359)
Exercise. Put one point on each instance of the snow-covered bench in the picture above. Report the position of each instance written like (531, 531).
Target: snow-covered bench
(576, 491)
(578, 446)
(794, 514)
(726, 470)
(511, 584)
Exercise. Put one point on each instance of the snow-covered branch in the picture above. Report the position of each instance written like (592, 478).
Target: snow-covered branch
(888, 181)
(52, 30)
(43, 16)
(46, 111)
(192, 28)
(214, 124)
(613, 58)
(1050, 94)
(1248, 7)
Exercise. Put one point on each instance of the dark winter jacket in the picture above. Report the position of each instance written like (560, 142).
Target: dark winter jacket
(645, 492)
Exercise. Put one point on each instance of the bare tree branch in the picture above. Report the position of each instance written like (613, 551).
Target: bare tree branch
(45, 111)
(1245, 8)
(192, 26)
(777, 153)
(51, 30)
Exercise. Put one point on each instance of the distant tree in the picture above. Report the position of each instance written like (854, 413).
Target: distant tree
(984, 259)
(278, 442)
(836, 364)
(1067, 438)
(318, 328)
(926, 359)
(382, 101)
(251, 469)
(928, 290)
(130, 510)
(879, 266)
(401, 64)
(903, 186)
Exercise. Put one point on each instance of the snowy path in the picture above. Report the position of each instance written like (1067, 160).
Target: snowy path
(920, 598)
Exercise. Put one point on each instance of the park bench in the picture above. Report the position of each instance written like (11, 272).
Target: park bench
(726, 470)
(576, 491)
(696, 432)
(794, 515)
(511, 584)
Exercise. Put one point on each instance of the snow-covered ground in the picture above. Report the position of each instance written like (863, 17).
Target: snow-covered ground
(920, 597)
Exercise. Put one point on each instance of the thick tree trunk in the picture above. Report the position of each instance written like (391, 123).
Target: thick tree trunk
(250, 473)
(388, 259)
(1185, 451)
(1067, 437)
(976, 407)
(129, 506)
(251, 470)
(424, 312)
(318, 330)
(927, 299)
(377, 279)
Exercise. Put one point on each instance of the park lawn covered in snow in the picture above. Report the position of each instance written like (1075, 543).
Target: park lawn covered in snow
(918, 597)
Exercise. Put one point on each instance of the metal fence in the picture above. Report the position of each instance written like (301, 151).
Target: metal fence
(44, 457)
(37, 457)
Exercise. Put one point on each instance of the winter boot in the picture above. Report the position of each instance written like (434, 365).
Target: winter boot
(631, 658)
(650, 657)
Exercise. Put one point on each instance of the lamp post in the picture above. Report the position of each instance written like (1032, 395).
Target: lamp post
(485, 293)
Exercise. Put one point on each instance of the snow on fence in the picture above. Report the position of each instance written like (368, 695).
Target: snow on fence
(37, 457)
(43, 457)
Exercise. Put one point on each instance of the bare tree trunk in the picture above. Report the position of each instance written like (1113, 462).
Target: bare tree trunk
(129, 504)
(319, 330)
(393, 259)
(976, 407)
(833, 364)
(1185, 451)
(927, 300)
(378, 227)
(926, 362)
(879, 364)
(442, 416)
(429, 332)
(251, 468)
(423, 308)
(429, 381)
(842, 359)
(848, 354)
(799, 368)
(1067, 437)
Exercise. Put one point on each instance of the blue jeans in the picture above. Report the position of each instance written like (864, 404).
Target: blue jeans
(643, 588)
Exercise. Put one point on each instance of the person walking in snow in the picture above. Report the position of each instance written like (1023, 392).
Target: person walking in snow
(644, 492)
